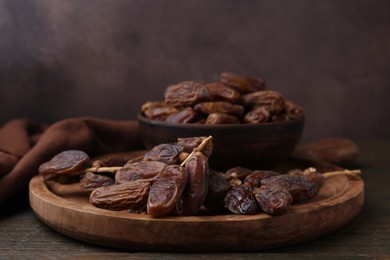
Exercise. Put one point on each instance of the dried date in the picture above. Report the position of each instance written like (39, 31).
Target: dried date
(166, 190)
(111, 161)
(197, 171)
(219, 107)
(311, 174)
(273, 200)
(240, 200)
(300, 188)
(269, 99)
(186, 93)
(221, 118)
(158, 110)
(90, 181)
(126, 196)
(184, 116)
(242, 84)
(256, 116)
(167, 153)
(254, 179)
(139, 170)
(221, 92)
(238, 172)
(293, 111)
(67, 163)
(188, 144)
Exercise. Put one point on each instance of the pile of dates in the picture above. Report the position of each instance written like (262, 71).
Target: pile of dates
(175, 179)
(234, 99)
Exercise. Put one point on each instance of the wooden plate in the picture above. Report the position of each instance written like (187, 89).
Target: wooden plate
(66, 209)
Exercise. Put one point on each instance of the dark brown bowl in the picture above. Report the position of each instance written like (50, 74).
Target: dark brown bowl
(256, 146)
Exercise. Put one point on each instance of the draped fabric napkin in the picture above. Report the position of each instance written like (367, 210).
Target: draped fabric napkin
(26, 144)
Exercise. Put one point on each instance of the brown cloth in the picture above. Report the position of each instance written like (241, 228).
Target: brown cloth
(25, 144)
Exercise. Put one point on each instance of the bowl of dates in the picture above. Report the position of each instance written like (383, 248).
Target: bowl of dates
(251, 124)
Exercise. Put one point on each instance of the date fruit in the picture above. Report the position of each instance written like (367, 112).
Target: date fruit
(293, 111)
(219, 107)
(221, 118)
(300, 188)
(256, 116)
(269, 99)
(195, 192)
(254, 179)
(139, 170)
(186, 93)
(158, 110)
(273, 200)
(234, 99)
(184, 116)
(220, 92)
(91, 181)
(238, 172)
(66, 163)
(167, 153)
(166, 191)
(242, 84)
(240, 200)
(188, 144)
(126, 196)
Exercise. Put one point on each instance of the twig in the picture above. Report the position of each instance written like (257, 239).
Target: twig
(343, 172)
(103, 169)
(197, 149)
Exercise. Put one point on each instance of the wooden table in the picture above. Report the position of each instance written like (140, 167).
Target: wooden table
(22, 235)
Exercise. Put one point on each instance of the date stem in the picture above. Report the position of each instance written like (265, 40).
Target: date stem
(197, 149)
(343, 172)
(103, 169)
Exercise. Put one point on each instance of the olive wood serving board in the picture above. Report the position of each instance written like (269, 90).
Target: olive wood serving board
(66, 209)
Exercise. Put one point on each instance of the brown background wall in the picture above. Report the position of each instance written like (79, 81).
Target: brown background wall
(62, 59)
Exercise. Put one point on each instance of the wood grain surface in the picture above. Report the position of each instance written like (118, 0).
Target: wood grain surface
(24, 236)
(67, 210)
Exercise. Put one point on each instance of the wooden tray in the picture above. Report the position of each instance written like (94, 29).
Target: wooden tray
(66, 209)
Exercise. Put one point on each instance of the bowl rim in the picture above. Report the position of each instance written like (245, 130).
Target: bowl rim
(144, 119)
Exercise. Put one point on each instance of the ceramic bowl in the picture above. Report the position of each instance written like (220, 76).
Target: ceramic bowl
(256, 146)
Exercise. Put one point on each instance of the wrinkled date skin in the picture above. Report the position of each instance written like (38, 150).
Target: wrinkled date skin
(242, 84)
(256, 116)
(300, 188)
(254, 179)
(111, 161)
(184, 116)
(311, 175)
(293, 111)
(233, 100)
(219, 107)
(269, 99)
(238, 172)
(139, 170)
(221, 118)
(195, 192)
(220, 92)
(158, 110)
(91, 181)
(186, 93)
(66, 163)
(188, 144)
(166, 191)
(126, 196)
(167, 153)
(273, 200)
(240, 200)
